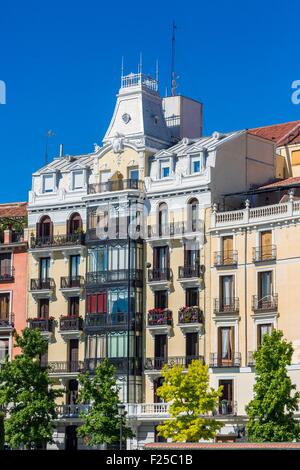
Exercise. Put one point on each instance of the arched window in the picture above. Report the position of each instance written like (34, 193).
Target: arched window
(45, 227)
(193, 214)
(74, 224)
(162, 219)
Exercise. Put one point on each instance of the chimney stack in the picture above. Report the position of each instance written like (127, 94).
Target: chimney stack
(61, 150)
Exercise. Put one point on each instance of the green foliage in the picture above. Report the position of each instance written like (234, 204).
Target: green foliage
(192, 403)
(26, 392)
(275, 400)
(14, 223)
(101, 424)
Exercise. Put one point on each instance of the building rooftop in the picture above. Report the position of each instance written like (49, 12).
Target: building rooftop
(281, 183)
(14, 209)
(281, 134)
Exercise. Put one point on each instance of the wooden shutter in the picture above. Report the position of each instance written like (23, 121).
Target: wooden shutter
(102, 302)
(266, 244)
(92, 303)
(227, 249)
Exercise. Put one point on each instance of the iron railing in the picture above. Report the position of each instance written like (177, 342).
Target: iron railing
(190, 315)
(69, 282)
(223, 306)
(7, 274)
(157, 363)
(7, 320)
(70, 323)
(225, 258)
(225, 408)
(250, 359)
(268, 302)
(159, 274)
(121, 364)
(114, 275)
(42, 284)
(57, 240)
(173, 229)
(160, 317)
(264, 253)
(187, 272)
(71, 411)
(234, 360)
(61, 367)
(112, 320)
(42, 324)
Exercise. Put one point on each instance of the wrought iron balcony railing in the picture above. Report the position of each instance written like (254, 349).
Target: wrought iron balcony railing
(71, 411)
(42, 284)
(226, 407)
(121, 364)
(188, 272)
(250, 359)
(157, 363)
(7, 274)
(70, 323)
(116, 185)
(225, 258)
(42, 324)
(6, 320)
(159, 274)
(234, 360)
(160, 317)
(190, 315)
(264, 253)
(112, 320)
(173, 229)
(62, 367)
(268, 302)
(223, 306)
(69, 282)
(114, 275)
(57, 240)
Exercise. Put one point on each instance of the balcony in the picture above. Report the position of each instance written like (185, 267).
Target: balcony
(174, 230)
(190, 276)
(216, 360)
(269, 303)
(6, 321)
(71, 411)
(44, 325)
(71, 285)
(7, 274)
(159, 278)
(160, 321)
(41, 288)
(226, 307)
(71, 326)
(121, 364)
(190, 319)
(264, 253)
(250, 359)
(112, 321)
(116, 185)
(58, 368)
(54, 241)
(225, 258)
(157, 363)
(226, 408)
(94, 279)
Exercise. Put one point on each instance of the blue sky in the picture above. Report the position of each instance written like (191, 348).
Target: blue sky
(61, 60)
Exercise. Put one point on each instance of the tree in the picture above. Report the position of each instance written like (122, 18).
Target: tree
(101, 424)
(275, 400)
(27, 395)
(1, 430)
(192, 400)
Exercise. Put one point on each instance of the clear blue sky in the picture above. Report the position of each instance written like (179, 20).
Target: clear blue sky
(61, 64)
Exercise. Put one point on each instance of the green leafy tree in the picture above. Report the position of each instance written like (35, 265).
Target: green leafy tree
(27, 395)
(271, 411)
(1, 430)
(193, 402)
(101, 423)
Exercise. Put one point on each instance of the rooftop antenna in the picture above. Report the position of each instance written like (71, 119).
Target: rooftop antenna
(122, 68)
(156, 71)
(49, 133)
(140, 66)
(173, 73)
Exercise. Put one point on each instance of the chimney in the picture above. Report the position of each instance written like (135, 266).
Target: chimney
(61, 150)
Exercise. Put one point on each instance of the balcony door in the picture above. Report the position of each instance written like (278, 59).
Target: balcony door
(4, 306)
(74, 267)
(225, 345)
(265, 288)
(227, 250)
(73, 355)
(160, 350)
(226, 400)
(191, 258)
(226, 292)
(262, 330)
(191, 347)
(72, 392)
(4, 349)
(5, 265)
(43, 310)
(266, 245)
(74, 306)
(161, 257)
(156, 384)
(44, 269)
(192, 297)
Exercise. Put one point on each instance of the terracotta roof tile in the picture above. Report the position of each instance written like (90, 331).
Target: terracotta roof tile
(14, 209)
(287, 132)
(287, 182)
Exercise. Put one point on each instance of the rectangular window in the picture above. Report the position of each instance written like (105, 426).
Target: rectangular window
(225, 345)
(4, 306)
(191, 346)
(262, 330)
(266, 245)
(74, 265)
(296, 157)
(74, 306)
(165, 169)
(48, 184)
(161, 299)
(97, 303)
(226, 292)
(78, 179)
(5, 264)
(160, 347)
(226, 400)
(192, 297)
(44, 268)
(161, 257)
(43, 308)
(195, 164)
(265, 286)
(134, 174)
(4, 349)
(191, 258)
(227, 249)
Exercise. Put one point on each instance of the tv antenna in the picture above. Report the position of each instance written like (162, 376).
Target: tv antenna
(173, 73)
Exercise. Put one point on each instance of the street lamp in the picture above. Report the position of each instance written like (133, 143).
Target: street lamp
(122, 412)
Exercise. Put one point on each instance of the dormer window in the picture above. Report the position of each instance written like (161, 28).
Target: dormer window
(165, 169)
(197, 163)
(78, 179)
(48, 183)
